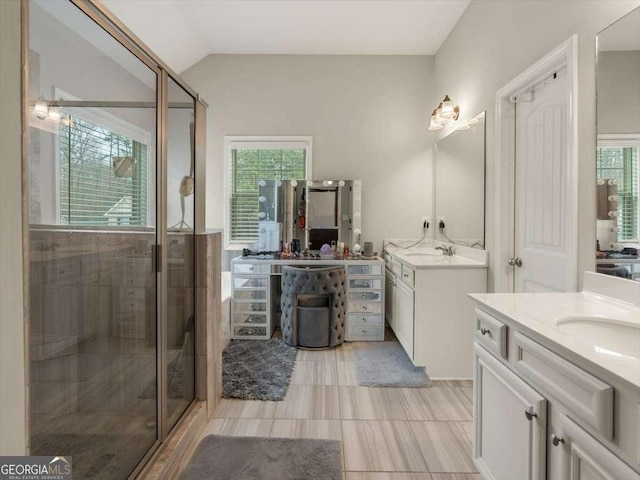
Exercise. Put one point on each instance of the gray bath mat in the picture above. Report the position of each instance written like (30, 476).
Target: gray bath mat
(386, 364)
(257, 369)
(256, 458)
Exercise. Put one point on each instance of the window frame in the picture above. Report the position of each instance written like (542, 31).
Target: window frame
(257, 142)
(623, 140)
(117, 125)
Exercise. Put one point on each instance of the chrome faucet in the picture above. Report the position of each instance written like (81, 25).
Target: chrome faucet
(448, 251)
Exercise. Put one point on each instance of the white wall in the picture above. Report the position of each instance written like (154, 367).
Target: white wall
(619, 92)
(12, 364)
(492, 43)
(367, 115)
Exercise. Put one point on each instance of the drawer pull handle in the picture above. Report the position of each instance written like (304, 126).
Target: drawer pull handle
(250, 294)
(556, 440)
(251, 308)
(485, 331)
(364, 307)
(405, 275)
(251, 269)
(364, 319)
(364, 331)
(530, 414)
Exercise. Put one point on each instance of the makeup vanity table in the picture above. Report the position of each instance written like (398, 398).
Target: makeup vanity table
(255, 295)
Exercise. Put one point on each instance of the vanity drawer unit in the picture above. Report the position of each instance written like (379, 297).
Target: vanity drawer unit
(255, 293)
(491, 333)
(250, 289)
(365, 302)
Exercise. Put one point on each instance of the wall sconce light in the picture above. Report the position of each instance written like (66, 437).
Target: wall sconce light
(445, 113)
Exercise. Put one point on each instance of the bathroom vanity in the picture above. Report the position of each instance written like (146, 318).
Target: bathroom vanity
(557, 383)
(255, 296)
(427, 304)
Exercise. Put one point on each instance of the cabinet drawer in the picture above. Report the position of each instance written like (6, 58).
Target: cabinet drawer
(364, 269)
(364, 283)
(374, 296)
(363, 307)
(364, 333)
(249, 295)
(249, 332)
(396, 267)
(365, 319)
(587, 397)
(251, 268)
(250, 307)
(249, 318)
(491, 333)
(250, 282)
(408, 275)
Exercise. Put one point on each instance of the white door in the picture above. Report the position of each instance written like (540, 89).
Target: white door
(403, 316)
(545, 219)
(509, 422)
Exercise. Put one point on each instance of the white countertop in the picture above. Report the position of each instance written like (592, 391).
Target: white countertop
(308, 261)
(424, 255)
(540, 313)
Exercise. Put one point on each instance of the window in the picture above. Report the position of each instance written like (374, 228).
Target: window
(618, 158)
(103, 175)
(251, 159)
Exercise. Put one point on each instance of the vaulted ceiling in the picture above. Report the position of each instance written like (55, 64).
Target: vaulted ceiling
(182, 32)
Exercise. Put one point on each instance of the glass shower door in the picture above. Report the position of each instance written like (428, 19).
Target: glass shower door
(180, 273)
(92, 213)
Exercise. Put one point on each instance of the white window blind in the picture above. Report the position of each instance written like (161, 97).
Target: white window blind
(621, 163)
(249, 163)
(103, 175)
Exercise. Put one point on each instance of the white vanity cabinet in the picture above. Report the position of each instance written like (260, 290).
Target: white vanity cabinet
(428, 308)
(539, 416)
(510, 420)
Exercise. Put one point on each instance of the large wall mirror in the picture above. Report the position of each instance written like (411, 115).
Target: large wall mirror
(313, 212)
(618, 139)
(460, 184)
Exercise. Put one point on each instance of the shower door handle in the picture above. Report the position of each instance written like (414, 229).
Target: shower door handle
(156, 259)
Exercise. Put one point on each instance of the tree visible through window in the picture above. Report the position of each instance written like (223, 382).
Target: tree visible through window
(248, 166)
(103, 176)
(621, 163)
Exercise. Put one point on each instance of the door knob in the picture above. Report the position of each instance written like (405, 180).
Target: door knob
(530, 414)
(556, 440)
(515, 262)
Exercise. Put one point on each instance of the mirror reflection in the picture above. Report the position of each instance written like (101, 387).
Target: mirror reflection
(460, 183)
(618, 128)
(311, 212)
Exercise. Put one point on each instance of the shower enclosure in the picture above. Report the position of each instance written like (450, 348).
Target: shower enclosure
(110, 136)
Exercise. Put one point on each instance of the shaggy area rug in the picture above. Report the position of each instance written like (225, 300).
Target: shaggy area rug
(256, 458)
(256, 369)
(386, 364)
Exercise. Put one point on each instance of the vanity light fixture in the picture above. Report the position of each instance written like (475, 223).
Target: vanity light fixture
(433, 124)
(449, 111)
(445, 112)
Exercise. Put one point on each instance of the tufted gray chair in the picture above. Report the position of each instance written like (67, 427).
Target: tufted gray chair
(313, 313)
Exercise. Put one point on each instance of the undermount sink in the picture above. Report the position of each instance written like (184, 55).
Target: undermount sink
(609, 336)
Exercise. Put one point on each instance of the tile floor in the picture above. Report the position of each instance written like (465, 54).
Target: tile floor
(386, 433)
